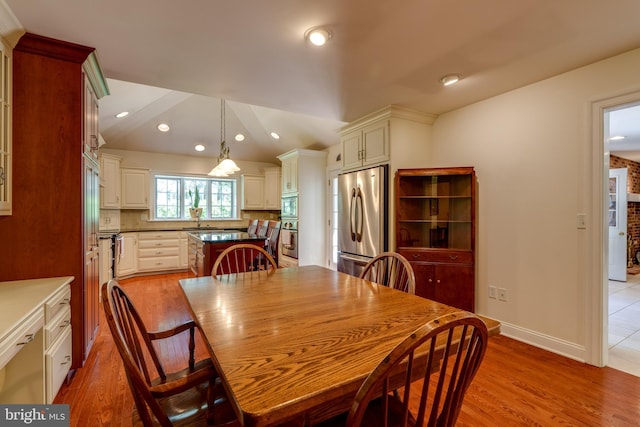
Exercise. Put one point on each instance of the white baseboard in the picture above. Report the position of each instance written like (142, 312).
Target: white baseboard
(546, 342)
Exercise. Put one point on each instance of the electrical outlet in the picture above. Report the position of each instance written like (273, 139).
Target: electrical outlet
(502, 294)
(493, 292)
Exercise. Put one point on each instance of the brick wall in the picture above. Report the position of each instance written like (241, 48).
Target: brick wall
(633, 186)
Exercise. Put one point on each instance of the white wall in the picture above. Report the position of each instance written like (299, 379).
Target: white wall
(532, 150)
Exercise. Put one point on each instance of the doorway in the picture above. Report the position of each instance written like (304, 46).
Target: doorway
(622, 290)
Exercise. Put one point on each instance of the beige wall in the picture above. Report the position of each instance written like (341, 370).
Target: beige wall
(533, 153)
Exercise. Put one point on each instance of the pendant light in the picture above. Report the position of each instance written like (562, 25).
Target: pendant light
(225, 166)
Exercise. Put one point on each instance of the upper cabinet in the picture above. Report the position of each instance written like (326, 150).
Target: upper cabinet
(272, 188)
(109, 182)
(289, 175)
(261, 191)
(5, 129)
(366, 146)
(135, 188)
(90, 122)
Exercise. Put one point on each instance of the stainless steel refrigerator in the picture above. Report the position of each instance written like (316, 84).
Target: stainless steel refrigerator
(362, 217)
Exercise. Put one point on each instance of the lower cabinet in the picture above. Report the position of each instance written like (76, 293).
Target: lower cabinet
(127, 264)
(158, 251)
(446, 277)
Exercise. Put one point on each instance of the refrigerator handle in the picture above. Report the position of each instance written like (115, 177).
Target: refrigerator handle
(352, 203)
(360, 216)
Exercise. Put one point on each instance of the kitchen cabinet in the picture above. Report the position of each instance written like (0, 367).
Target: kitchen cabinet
(289, 175)
(272, 188)
(106, 256)
(90, 122)
(365, 146)
(110, 187)
(252, 192)
(127, 264)
(50, 79)
(135, 188)
(109, 220)
(91, 252)
(261, 191)
(5, 129)
(158, 251)
(310, 183)
(184, 251)
(435, 231)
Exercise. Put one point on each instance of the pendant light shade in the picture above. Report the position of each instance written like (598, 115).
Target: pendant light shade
(225, 166)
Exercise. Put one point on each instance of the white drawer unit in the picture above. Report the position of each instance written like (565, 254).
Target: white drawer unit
(158, 251)
(56, 326)
(20, 337)
(57, 363)
(59, 301)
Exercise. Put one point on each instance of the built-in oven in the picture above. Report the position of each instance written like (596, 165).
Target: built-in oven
(289, 238)
(289, 207)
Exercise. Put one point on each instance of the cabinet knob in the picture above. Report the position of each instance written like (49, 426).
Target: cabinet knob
(438, 281)
(67, 359)
(430, 280)
(453, 257)
(28, 339)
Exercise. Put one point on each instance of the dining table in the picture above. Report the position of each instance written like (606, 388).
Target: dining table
(294, 346)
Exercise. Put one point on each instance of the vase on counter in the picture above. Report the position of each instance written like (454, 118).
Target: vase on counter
(195, 212)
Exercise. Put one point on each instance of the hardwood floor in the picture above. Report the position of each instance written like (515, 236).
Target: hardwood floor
(517, 385)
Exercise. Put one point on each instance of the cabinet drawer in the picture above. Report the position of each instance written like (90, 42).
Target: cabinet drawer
(57, 364)
(160, 235)
(23, 334)
(158, 252)
(54, 328)
(159, 263)
(457, 257)
(59, 301)
(150, 244)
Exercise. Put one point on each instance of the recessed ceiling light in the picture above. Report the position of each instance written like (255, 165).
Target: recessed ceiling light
(239, 137)
(617, 138)
(163, 127)
(199, 147)
(318, 36)
(450, 79)
(274, 135)
(122, 114)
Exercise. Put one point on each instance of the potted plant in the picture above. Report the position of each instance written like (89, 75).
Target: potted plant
(195, 211)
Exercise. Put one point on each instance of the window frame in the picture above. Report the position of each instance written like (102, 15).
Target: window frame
(184, 205)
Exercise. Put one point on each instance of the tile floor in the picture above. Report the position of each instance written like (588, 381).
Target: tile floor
(624, 325)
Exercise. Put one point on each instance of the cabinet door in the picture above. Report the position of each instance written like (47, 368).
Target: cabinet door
(252, 192)
(5, 130)
(90, 122)
(272, 188)
(127, 262)
(135, 189)
(110, 180)
(449, 284)
(91, 282)
(375, 143)
(290, 175)
(352, 150)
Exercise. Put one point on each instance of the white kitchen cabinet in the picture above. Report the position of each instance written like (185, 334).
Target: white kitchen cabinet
(310, 183)
(272, 188)
(35, 339)
(110, 187)
(127, 264)
(135, 188)
(366, 146)
(252, 192)
(158, 251)
(5, 130)
(289, 175)
(184, 251)
(109, 220)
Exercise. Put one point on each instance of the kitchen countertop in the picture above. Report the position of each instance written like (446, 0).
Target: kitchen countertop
(224, 236)
(186, 229)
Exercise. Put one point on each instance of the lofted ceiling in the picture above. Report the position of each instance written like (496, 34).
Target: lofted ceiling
(170, 61)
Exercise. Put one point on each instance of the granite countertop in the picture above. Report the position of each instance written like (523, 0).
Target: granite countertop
(224, 236)
(187, 229)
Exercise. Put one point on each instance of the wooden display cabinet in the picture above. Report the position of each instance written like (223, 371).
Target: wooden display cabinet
(435, 231)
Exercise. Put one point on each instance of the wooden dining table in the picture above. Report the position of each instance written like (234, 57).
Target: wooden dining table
(296, 345)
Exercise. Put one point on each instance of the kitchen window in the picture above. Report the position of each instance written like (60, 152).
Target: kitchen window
(218, 197)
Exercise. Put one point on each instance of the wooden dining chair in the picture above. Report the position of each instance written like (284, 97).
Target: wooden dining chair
(190, 396)
(391, 269)
(244, 258)
(252, 227)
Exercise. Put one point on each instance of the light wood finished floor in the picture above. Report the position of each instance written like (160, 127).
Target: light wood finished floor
(517, 385)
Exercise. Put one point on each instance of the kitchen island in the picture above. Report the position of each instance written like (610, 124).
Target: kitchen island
(205, 246)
